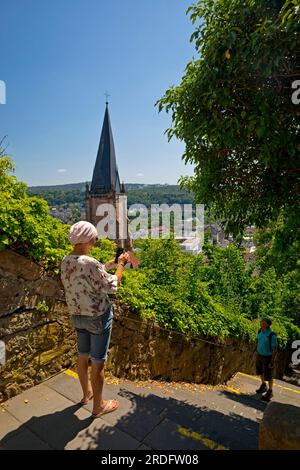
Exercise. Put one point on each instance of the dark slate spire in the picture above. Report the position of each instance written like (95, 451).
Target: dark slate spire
(106, 177)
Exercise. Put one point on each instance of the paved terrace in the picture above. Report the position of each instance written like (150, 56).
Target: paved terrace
(152, 415)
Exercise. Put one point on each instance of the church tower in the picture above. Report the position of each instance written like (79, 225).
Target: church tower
(106, 188)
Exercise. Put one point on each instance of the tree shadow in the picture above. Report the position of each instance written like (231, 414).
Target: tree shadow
(165, 423)
(143, 420)
(55, 429)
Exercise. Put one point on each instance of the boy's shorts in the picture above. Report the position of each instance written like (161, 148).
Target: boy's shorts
(262, 367)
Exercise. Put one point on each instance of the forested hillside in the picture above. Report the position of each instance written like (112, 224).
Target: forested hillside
(136, 194)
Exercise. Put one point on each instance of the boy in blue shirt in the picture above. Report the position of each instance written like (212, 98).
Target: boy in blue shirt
(266, 354)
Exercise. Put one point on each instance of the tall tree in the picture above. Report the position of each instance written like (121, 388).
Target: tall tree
(234, 109)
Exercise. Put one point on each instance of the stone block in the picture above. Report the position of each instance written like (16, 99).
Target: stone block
(20, 265)
(280, 427)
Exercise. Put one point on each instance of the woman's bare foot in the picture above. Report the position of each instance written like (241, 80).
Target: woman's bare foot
(107, 407)
(85, 399)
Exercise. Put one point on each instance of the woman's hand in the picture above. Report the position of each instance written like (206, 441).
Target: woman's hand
(123, 259)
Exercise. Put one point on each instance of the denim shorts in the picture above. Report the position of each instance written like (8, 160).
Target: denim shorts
(93, 335)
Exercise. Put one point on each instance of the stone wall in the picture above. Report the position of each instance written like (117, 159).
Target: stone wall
(34, 324)
(142, 350)
(39, 340)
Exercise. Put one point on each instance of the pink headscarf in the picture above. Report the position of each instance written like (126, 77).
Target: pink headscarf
(82, 232)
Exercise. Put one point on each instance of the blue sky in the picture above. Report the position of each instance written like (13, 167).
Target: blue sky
(59, 57)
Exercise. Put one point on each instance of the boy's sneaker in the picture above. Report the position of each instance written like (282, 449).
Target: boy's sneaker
(267, 396)
(262, 389)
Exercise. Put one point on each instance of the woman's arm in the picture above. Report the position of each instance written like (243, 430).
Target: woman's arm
(105, 281)
(122, 260)
(110, 264)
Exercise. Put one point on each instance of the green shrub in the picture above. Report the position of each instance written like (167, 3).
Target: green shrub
(25, 225)
(169, 288)
(105, 251)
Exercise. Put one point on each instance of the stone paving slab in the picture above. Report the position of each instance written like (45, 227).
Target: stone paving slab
(149, 417)
(136, 421)
(193, 396)
(243, 404)
(36, 401)
(232, 431)
(283, 392)
(137, 415)
(66, 385)
(61, 426)
(8, 424)
(25, 440)
(253, 381)
(101, 435)
(141, 447)
(167, 436)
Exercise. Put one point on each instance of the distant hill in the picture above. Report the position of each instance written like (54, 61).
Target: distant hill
(147, 194)
(76, 186)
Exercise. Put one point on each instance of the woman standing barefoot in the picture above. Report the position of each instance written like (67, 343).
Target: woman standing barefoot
(87, 285)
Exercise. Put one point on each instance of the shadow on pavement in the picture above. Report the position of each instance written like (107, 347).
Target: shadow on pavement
(181, 425)
(161, 423)
(55, 429)
(252, 401)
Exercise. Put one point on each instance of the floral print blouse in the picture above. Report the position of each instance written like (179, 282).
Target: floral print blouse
(87, 285)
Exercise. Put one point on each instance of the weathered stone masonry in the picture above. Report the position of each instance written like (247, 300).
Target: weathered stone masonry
(143, 350)
(34, 324)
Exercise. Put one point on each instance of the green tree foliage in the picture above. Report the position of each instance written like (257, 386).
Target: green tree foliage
(216, 299)
(233, 109)
(228, 277)
(25, 225)
(159, 194)
(68, 195)
(104, 251)
(168, 288)
(279, 243)
(278, 264)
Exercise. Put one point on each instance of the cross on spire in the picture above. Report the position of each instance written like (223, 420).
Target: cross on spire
(106, 96)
